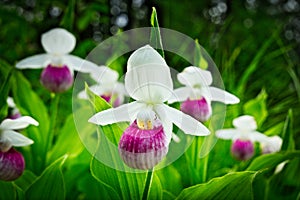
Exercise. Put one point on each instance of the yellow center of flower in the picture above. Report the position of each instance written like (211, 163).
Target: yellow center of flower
(146, 119)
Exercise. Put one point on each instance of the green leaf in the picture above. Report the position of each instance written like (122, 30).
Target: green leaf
(170, 180)
(68, 141)
(68, 19)
(5, 76)
(269, 161)
(50, 185)
(112, 132)
(155, 191)
(30, 104)
(8, 190)
(199, 60)
(92, 189)
(287, 133)
(236, 185)
(257, 107)
(25, 180)
(155, 37)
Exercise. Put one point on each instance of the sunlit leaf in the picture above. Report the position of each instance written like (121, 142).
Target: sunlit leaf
(236, 185)
(50, 185)
(199, 60)
(155, 37)
(257, 107)
(269, 161)
(287, 134)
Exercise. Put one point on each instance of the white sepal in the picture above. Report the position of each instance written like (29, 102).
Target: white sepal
(58, 41)
(34, 62)
(19, 123)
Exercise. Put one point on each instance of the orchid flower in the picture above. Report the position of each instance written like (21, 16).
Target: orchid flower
(58, 64)
(12, 163)
(107, 86)
(243, 136)
(197, 94)
(148, 81)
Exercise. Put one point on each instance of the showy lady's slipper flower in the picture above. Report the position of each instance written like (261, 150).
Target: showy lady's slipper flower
(148, 81)
(14, 113)
(243, 136)
(197, 94)
(107, 86)
(12, 163)
(58, 64)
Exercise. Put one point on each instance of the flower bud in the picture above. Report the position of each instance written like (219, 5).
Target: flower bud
(56, 79)
(200, 109)
(242, 149)
(142, 145)
(12, 165)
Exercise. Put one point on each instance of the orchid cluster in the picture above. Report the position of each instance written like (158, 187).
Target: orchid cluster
(148, 82)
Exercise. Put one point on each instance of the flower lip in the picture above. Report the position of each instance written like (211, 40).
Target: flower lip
(12, 165)
(58, 41)
(56, 79)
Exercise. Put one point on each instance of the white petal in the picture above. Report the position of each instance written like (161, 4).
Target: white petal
(16, 139)
(34, 62)
(123, 113)
(256, 136)
(10, 102)
(151, 83)
(194, 76)
(144, 55)
(228, 134)
(180, 94)
(273, 144)
(79, 64)
(185, 122)
(19, 123)
(245, 122)
(104, 74)
(222, 96)
(58, 41)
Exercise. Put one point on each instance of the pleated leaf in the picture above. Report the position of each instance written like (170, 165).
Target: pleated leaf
(50, 184)
(236, 185)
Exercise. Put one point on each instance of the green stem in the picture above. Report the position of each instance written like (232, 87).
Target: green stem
(53, 116)
(147, 185)
(204, 168)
